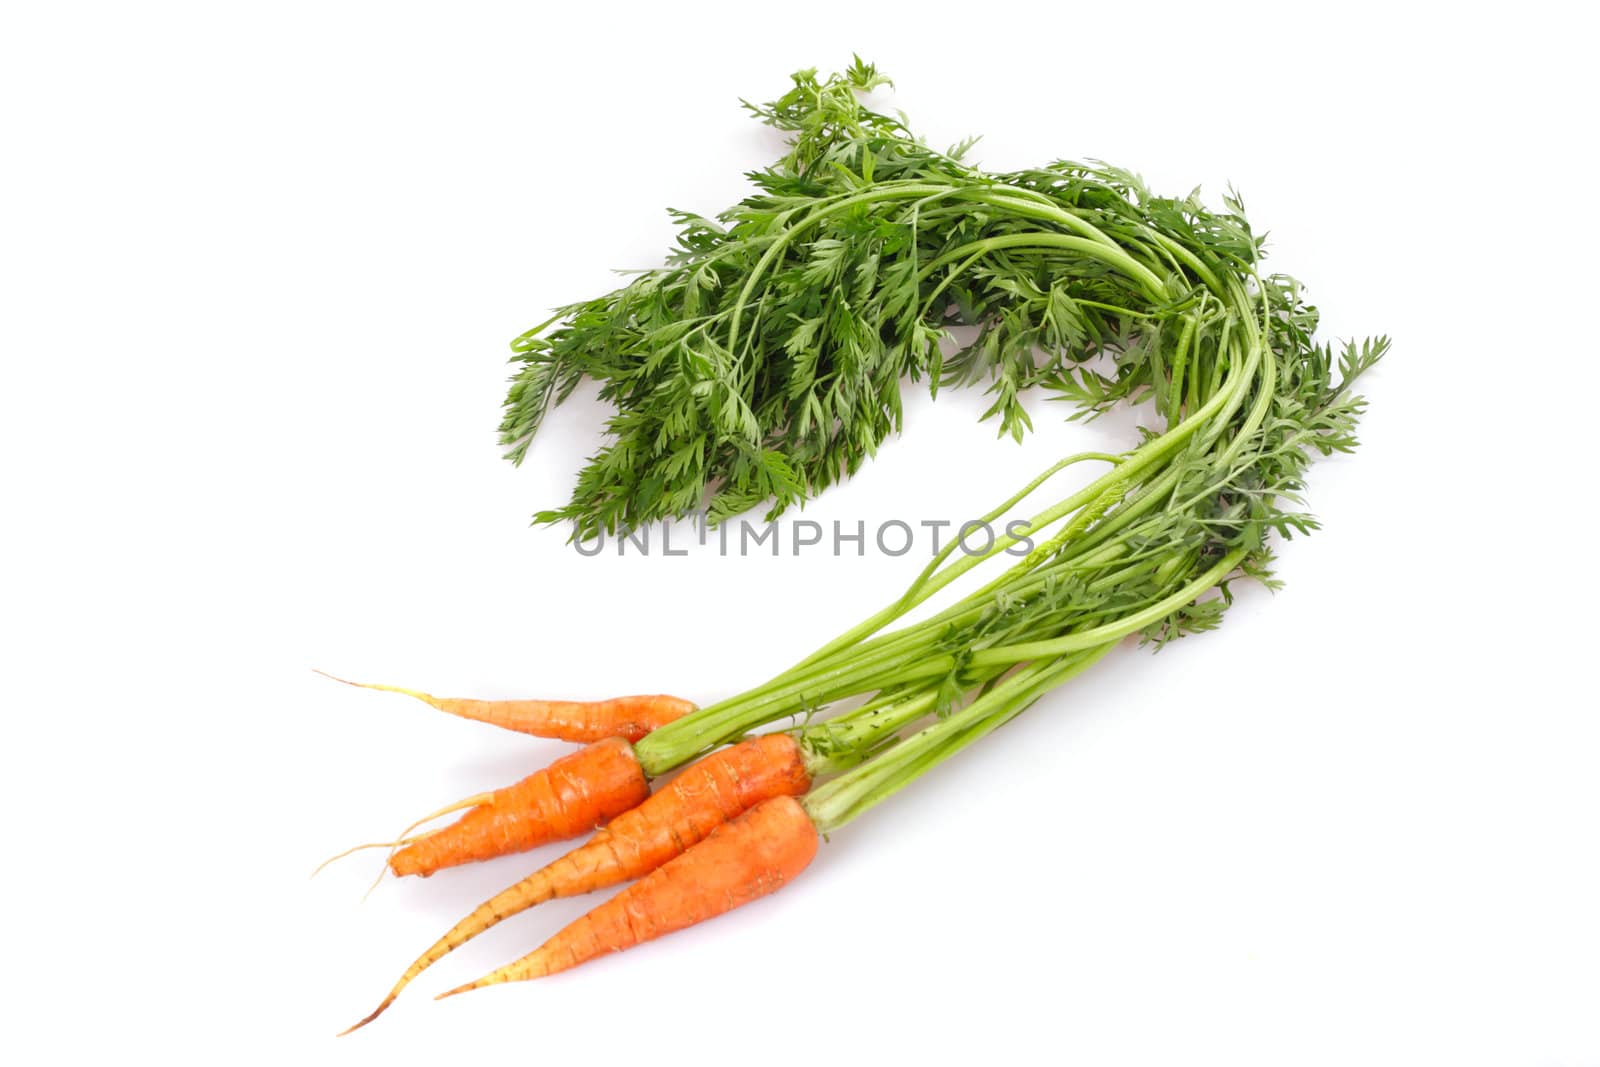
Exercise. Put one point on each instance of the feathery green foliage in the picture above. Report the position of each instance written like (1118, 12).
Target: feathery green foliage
(765, 361)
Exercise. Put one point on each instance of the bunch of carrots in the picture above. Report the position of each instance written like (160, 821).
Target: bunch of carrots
(1170, 292)
(735, 825)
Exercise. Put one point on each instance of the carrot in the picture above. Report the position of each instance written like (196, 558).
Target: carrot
(575, 793)
(740, 861)
(683, 813)
(583, 721)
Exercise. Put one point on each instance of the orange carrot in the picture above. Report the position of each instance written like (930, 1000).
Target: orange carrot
(574, 794)
(683, 813)
(740, 861)
(565, 720)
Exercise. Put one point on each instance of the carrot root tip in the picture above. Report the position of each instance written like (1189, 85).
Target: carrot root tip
(379, 1010)
(426, 698)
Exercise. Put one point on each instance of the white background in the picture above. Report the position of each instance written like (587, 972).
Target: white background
(260, 265)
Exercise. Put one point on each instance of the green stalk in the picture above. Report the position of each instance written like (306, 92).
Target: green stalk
(866, 627)
(837, 744)
(716, 724)
(836, 803)
(1112, 256)
(680, 741)
(1056, 646)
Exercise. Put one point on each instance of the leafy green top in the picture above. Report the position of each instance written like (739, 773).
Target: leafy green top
(765, 361)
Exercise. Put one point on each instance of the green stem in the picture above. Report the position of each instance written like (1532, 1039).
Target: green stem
(843, 742)
(867, 626)
(838, 802)
(680, 741)
(1111, 631)
(1111, 255)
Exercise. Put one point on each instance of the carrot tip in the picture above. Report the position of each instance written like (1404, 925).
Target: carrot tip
(379, 1010)
(424, 697)
(469, 987)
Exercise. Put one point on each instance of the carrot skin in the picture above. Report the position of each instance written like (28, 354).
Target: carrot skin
(684, 812)
(743, 860)
(571, 796)
(582, 721)
(708, 793)
(629, 717)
